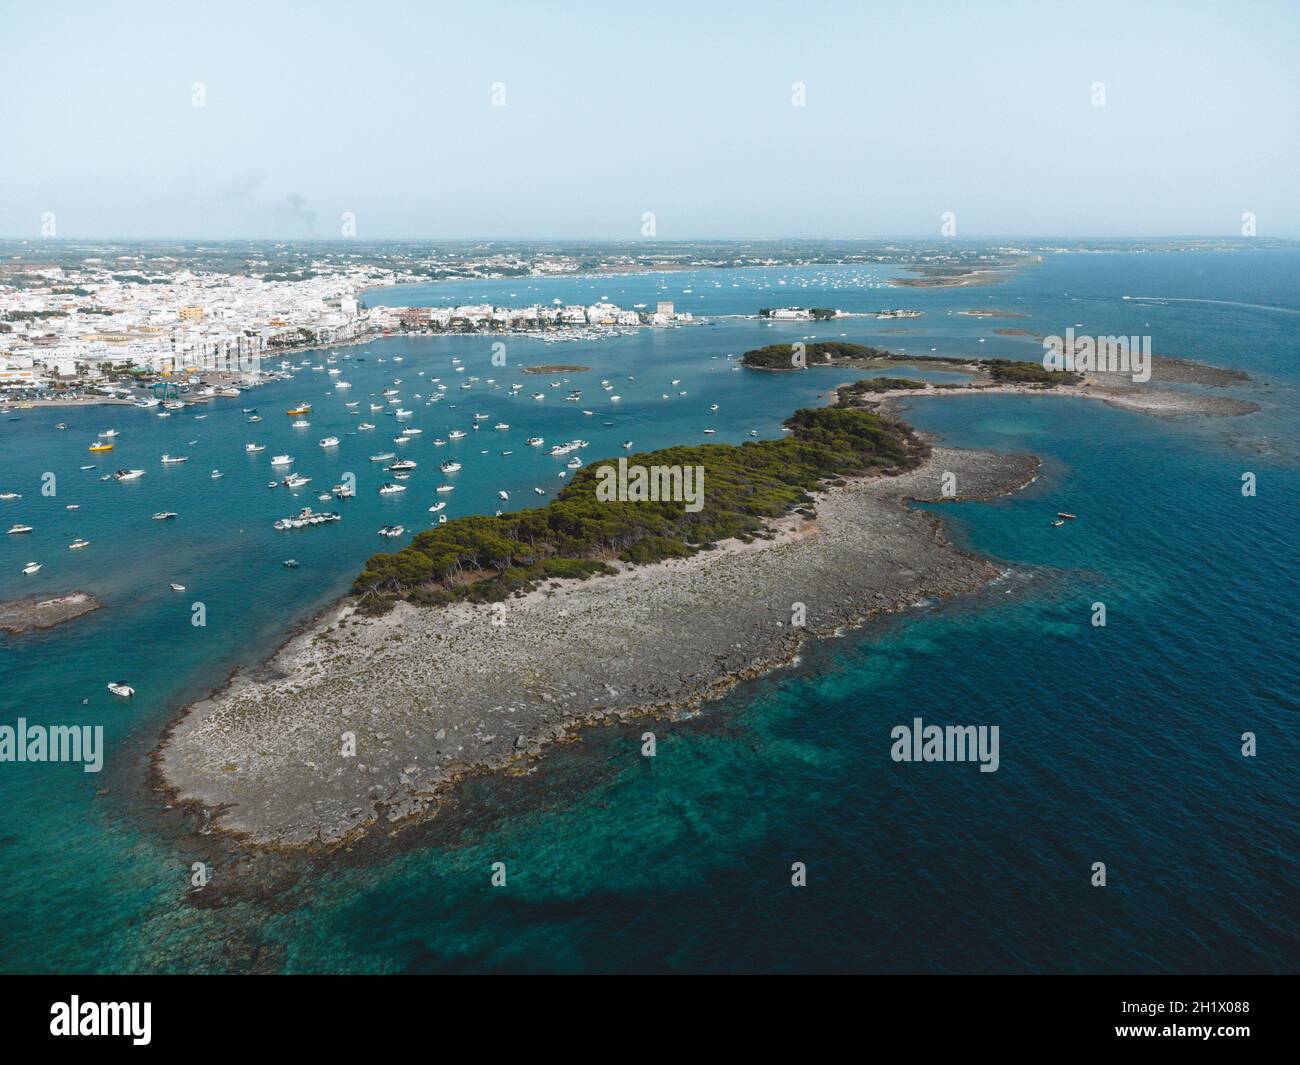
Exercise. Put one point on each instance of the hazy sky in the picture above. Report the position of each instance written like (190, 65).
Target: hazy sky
(385, 109)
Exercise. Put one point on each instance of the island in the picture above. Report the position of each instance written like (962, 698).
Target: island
(492, 638)
(1014, 376)
(24, 615)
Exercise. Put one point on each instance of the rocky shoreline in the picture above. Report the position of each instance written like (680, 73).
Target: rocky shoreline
(430, 695)
(1179, 393)
(24, 615)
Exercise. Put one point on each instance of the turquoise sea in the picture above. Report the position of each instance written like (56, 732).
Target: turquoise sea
(1119, 744)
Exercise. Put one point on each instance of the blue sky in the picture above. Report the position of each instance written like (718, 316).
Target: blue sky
(384, 109)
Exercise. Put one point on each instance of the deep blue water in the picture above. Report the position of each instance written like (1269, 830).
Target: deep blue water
(1118, 744)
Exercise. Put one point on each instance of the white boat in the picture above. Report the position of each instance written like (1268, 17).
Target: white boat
(437, 507)
(297, 480)
(442, 519)
(501, 425)
(383, 456)
(254, 448)
(343, 491)
(164, 515)
(503, 495)
(574, 463)
(281, 460)
(412, 431)
(450, 467)
(128, 475)
(19, 495)
(364, 427)
(31, 567)
(713, 406)
(16, 530)
(301, 423)
(540, 491)
(401, 464)
(341, 386)
(627, 444)
(709, 432)
(305, 518)
(392, 530)
(330, 441)
(446, 488)
(534, 441)
(400, 413)
(216, 474)
(109, 433)
(177, 587)
(174, 460)
(538, 395)
(481, 417)
(615, 399)
(391, 489)
(78, 544)
(124, 690)
(456, 434)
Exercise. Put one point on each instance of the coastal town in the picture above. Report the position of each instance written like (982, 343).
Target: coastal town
(87, 320)
(86, 329)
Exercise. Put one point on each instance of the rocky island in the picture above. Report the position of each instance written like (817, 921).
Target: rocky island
(490, 638)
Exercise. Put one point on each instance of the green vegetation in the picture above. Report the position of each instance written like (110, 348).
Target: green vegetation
(1002, 371)
(31, 316)
(821, 353)
(1007, 371)
(486, 558)
(878, 384)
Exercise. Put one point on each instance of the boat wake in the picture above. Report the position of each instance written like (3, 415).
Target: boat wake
(1222, 303)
